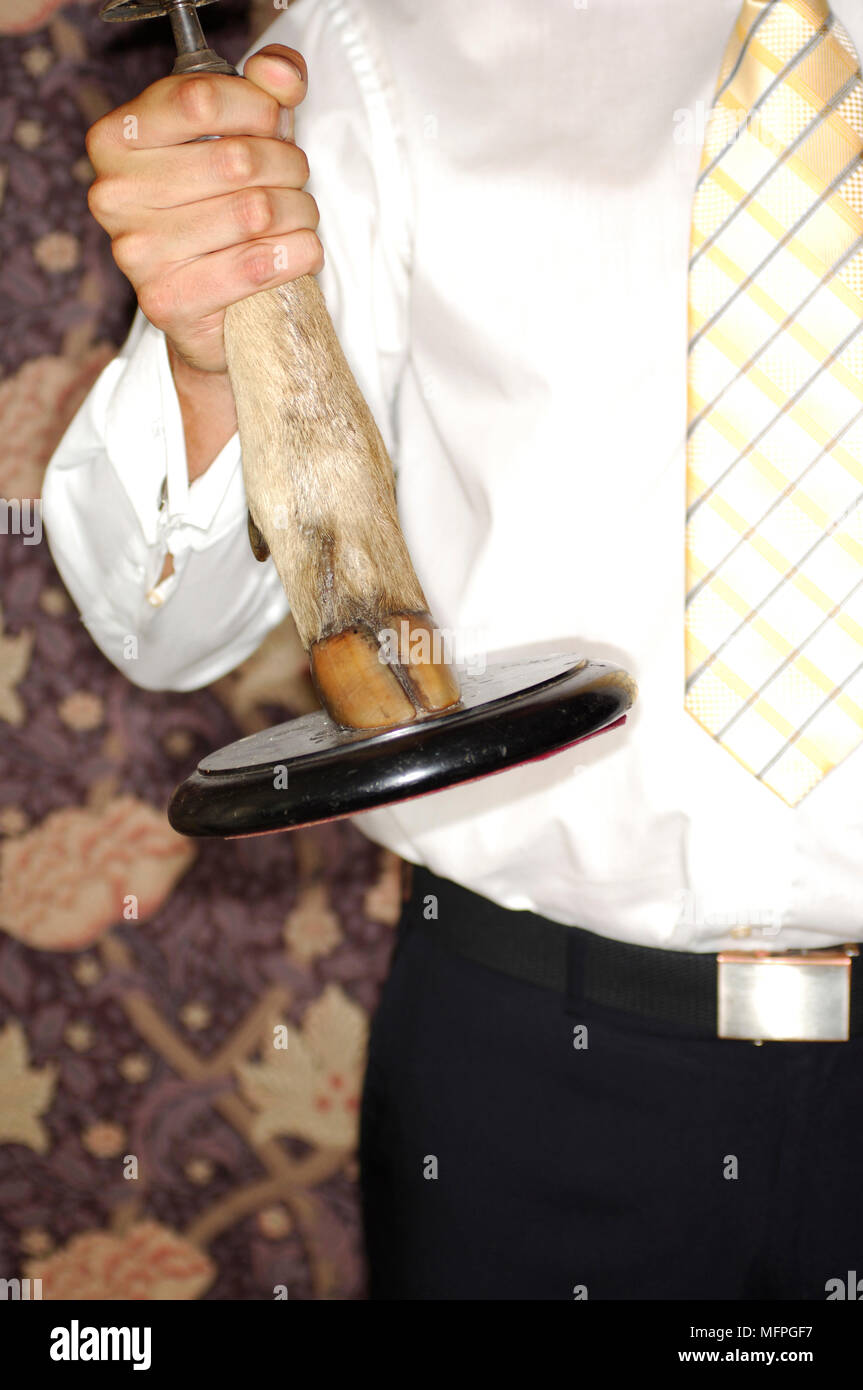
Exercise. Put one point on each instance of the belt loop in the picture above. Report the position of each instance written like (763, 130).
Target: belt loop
(576, 952)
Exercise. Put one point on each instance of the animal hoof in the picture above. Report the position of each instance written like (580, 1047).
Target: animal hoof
(416, 650)
(368, 680)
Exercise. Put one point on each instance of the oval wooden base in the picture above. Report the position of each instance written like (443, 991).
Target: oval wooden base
(309, 770)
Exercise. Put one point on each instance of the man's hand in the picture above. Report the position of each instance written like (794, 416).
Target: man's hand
(198, 226)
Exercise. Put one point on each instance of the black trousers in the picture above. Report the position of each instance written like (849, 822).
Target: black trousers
(500, 1161)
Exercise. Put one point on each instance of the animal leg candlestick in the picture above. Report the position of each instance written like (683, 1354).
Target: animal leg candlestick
(319, 482)
(321, 496)
(320, 489)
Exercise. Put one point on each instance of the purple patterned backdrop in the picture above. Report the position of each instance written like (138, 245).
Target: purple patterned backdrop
(154, 1143)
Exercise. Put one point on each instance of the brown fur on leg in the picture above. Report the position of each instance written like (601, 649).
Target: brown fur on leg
(320, 487)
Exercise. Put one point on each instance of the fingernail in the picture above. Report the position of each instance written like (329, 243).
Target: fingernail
(280, 58)
(285, 124)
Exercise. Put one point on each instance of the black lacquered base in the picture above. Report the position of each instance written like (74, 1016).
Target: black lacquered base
(312, 770)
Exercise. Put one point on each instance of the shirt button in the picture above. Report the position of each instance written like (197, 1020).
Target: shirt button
(738, 932)
(155, 599)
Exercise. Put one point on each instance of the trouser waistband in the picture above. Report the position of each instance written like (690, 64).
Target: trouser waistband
(677, 989)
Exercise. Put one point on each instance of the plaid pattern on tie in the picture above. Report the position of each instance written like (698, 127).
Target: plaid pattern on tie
(774, 606)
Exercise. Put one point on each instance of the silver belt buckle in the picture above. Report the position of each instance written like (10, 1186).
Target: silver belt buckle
(802, 996)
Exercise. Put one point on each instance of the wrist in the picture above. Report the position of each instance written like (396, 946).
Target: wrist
(207, 407)
(188, 375)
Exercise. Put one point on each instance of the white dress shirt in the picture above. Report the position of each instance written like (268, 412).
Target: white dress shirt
(505, 191)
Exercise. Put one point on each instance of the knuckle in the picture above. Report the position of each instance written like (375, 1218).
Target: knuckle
(234, 160)
(315, 252)
(254, 211)
(258, 264)
(99, 198)
(102, 135)
(157, 302)
(198, 99)
(314, 212)
(94, 138)
(129, 250)
(302, 163)
(302, 254)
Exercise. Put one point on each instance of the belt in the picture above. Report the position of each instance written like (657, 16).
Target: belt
(758, 996)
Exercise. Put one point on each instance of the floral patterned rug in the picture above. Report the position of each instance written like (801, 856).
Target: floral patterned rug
(154, 1143)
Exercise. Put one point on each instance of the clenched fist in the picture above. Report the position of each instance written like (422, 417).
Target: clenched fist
(198, 224)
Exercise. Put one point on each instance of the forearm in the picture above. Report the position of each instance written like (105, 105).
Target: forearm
(208, 412)
(111, 538)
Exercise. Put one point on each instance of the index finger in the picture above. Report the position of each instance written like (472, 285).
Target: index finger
(175, 110)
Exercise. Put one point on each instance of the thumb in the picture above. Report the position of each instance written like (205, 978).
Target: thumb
(281, 72)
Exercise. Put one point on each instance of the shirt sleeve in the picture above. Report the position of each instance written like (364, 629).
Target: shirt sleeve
(116, 496)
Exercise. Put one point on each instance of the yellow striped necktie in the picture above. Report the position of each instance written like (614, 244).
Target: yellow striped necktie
(774, 553)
